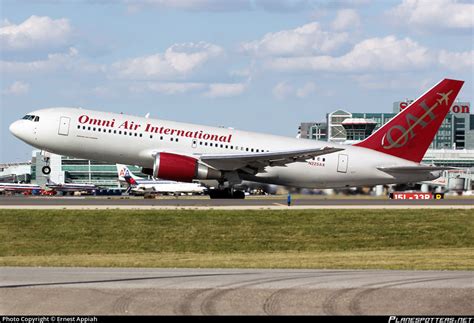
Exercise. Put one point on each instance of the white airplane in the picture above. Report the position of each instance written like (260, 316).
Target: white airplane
(184, 152)
(140, 185)
(16, 187)
(71, 187)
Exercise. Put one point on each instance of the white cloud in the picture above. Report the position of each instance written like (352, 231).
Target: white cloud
(193, 5)
(210, 90)
(345, 19)
(457, 60)
(434, 14)
(284, 90)
(17, 88)
(177, 61)
(168, 88)
(70, 61)
(35, 33)
(216, 90)
(308, 39)
(380, 81)
(375, 54)
(306, 90)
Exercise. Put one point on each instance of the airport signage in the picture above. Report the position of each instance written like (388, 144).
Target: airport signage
(416, 196)
(457, 108)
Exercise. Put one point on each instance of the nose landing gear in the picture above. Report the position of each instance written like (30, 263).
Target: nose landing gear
(46, 170)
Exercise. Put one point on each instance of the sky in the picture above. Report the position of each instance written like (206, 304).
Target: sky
(257, 65)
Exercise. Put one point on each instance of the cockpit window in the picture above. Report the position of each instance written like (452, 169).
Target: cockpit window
(31, 118)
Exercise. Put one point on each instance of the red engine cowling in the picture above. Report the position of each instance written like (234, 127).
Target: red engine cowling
(181, 168)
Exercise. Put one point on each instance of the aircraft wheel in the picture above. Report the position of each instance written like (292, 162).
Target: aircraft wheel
(220, 194)
(238, 195)
(226, 194)
(46, 170)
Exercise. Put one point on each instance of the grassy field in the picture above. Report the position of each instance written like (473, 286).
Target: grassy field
(381, 239)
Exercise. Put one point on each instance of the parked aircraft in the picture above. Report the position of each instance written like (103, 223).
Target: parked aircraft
(17, 187)
(71, 187)
(184, 152)
(140, 185)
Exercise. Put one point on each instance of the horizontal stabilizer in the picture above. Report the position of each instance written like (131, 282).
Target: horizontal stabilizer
(414, 169)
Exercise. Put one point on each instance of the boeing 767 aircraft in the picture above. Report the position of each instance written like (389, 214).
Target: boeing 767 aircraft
(183, 152)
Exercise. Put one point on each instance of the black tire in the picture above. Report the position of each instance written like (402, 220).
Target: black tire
(220, 194)
(238, 195)
(46, 170)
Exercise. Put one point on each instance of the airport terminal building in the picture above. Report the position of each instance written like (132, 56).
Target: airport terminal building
(66, 169)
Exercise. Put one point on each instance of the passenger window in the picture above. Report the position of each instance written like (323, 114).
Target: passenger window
(78, 127)
(161, 138)
(115, 131)
(171, 139)
(176, 139)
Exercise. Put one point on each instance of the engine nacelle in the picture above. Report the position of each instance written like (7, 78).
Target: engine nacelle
(182, 168)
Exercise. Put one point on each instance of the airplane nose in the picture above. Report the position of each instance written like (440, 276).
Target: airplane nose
(15, 128)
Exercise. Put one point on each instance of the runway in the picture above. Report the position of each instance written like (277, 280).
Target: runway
(7, 202)
(95, 291)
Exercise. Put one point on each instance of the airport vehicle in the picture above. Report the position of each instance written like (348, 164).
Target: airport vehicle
(138, 185)
(17, 187)
(184, 152)
(71, 187)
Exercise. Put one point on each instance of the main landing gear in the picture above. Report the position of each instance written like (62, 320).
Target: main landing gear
(226, 193)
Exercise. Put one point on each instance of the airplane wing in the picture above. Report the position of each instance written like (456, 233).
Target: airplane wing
(258, 161)
(414, 169)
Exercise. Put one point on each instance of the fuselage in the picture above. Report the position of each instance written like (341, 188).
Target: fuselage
(132, 140)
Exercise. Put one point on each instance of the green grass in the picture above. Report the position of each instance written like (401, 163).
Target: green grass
(395, 239)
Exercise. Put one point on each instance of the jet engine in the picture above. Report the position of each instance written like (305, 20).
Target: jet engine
(181, 168)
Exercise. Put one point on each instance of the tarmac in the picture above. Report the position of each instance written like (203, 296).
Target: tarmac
(20, 202)
(105, 291)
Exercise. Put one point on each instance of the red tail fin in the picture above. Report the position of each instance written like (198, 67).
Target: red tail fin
(409, 134)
